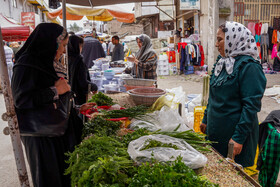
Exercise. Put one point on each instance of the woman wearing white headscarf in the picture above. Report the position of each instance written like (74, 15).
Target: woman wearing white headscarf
(237, 85)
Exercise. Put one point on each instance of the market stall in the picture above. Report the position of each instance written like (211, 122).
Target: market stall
(129, 147)
(13, 32)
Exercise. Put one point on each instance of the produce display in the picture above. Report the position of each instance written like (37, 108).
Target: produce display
(103, 158)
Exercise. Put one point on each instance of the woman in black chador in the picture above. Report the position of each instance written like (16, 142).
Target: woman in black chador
(78, 71)
(48, 124)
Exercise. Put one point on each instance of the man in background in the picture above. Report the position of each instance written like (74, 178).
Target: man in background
(110, 48)
(92, 49)
(118, 53)
(104, 45)
(9, 54)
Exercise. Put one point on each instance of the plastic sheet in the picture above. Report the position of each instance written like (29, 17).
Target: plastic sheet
(190, 156)
(165, 120)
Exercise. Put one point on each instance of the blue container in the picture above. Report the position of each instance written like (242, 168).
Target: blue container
(189, 70)
(109, 74)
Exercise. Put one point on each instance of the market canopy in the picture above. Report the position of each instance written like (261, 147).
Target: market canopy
(102, 2)
(12, 31)
(98, 14)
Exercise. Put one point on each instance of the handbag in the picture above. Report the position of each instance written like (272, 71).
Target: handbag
(49, 120)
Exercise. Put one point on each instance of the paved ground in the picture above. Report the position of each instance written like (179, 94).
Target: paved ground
(191, 85)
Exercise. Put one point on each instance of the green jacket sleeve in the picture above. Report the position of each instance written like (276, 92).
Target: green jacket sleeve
(252, 84)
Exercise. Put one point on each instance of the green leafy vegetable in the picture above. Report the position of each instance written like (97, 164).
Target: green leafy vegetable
(133, 112)
(100, 126)
(101, 99)
(171, 174)
(87, 154)
(154, 143)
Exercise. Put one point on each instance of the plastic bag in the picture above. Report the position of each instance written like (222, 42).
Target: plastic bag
(190, 156)
(195, 102)
(166, 120)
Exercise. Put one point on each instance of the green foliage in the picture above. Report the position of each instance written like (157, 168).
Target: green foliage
(101, 127)
(126, 139)
(154, 143)
(101, 99)
(133, 112)
(88, 154)
(171, 174)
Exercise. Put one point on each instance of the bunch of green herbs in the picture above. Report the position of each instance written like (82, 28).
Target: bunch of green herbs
(133, 112)
(101, 99)
(150, 143)
(101, 127)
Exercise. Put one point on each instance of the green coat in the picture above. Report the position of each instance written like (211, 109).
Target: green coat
(234, 101)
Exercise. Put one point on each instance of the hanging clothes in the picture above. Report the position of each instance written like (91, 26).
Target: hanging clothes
(274, 51)
(264, 28)
(274, 37)
(276, 23)
(276, 63)
(258, 28)
(182, 59)
(251, 27)
(264, 47)
(270, 32)
(202, 55)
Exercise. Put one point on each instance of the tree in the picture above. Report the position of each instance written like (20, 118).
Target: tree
(75, 28)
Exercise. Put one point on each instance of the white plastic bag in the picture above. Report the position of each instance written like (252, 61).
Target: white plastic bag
(195, 102)
(165, 120)
(190, 156)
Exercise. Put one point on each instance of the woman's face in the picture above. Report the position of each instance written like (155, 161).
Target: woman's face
(61, 49)
(220, 43)
(139, 43)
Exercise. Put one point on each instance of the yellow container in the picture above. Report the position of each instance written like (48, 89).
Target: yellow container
(198, 117)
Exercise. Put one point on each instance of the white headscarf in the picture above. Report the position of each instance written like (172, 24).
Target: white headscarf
(238, 41)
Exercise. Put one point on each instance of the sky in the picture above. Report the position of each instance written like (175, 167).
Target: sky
(127, 7)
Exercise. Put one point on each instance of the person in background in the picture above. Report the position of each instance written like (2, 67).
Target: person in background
(104, 45)
(78, 72)
(9, 54)
(110, 48)
(236, 89)
(118, 53)
(92, 49)
(145, 61)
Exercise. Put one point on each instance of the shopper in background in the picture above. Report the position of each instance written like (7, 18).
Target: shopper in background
(78, 72)
(110, 48)
(92, 49)
(9, 60)
(236, 88)
(145, 60)
(104, 45)
(118, 53)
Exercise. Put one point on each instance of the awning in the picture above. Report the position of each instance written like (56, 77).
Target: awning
(13, 32)
(102, 2)
(98, 14)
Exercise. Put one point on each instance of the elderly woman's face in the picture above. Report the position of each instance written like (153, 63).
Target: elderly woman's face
(220, 43)
(139, 43)
(61, 49)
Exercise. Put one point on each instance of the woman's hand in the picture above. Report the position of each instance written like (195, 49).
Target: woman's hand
(62, 86)
(203, 127)
(132, 59)
(237, 148)
(86, 106)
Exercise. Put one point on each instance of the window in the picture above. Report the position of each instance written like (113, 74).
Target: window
(238, 9)
(14, 3)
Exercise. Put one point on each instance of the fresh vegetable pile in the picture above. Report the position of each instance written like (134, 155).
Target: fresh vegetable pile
(101, 99)
(102, 158)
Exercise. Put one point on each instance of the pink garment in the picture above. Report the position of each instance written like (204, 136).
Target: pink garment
(274, 51)
(251, 27)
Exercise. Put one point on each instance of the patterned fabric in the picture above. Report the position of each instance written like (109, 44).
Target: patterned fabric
(270, 155)
(238, 41)
(60, 69)
(276, 23)
(149, 68)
